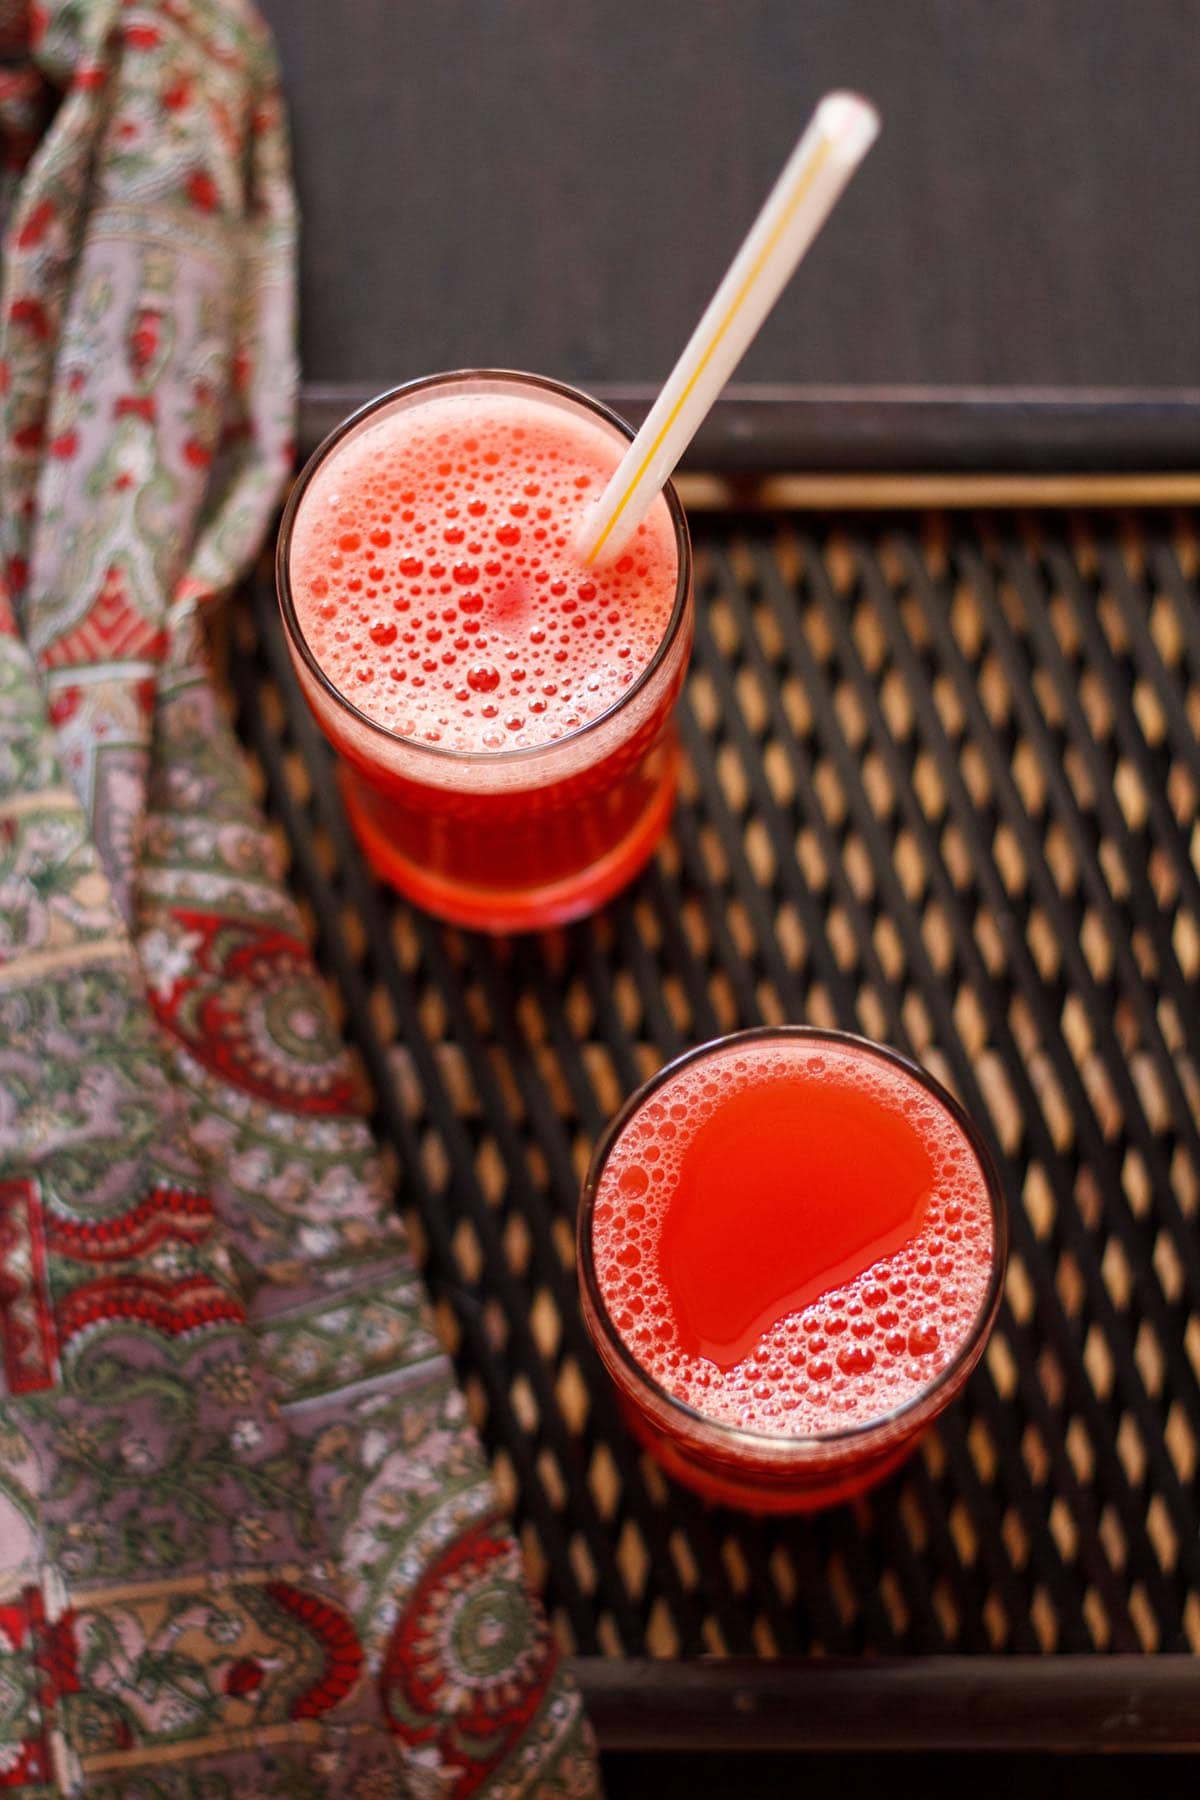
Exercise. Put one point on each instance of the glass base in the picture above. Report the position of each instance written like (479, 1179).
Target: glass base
(513, 909)
(758, 1491)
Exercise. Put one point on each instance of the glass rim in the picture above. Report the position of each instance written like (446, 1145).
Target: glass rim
(436, 752)
(782, 1447)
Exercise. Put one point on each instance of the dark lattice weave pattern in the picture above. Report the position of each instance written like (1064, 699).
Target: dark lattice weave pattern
(941, 788)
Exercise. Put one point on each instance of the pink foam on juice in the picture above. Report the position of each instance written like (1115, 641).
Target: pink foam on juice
(793, 1238)
(434, 576)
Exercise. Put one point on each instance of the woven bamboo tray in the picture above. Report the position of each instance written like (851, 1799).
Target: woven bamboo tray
(942, 787)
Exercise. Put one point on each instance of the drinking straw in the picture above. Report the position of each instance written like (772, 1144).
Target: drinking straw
(842, 130)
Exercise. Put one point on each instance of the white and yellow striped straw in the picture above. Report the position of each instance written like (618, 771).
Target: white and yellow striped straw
(842, 130)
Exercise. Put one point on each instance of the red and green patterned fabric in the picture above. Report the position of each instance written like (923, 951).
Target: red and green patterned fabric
(248, 1544)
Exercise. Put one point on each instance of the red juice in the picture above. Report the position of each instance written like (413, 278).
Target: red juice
(503, 713)
(791, 1251)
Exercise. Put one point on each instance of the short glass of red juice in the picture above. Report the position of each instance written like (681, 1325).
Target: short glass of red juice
(502, 714)
(791, 1253)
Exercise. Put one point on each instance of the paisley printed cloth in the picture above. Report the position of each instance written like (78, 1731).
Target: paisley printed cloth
(248, 1545)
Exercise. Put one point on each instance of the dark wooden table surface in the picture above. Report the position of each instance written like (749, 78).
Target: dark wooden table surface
(522, 183)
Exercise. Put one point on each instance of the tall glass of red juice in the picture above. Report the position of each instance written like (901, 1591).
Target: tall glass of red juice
(791, 1253)
(502, 713)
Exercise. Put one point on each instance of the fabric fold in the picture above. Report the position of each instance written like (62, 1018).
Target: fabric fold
(247, 1537)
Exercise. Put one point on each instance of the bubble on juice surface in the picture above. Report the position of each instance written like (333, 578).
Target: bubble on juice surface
(861, 1349)
(453, 522)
